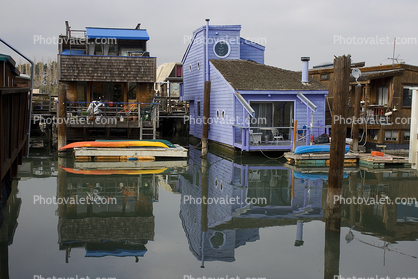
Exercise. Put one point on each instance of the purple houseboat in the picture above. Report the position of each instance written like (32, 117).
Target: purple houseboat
(253, 106)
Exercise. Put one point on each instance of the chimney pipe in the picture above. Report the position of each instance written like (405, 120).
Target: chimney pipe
(305, 69)
(138, 26)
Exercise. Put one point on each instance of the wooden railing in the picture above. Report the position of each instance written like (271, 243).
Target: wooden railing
(110, 114)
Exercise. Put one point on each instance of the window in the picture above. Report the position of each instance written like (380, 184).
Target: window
(373, 134)
(406, 135)
(113, 50)
(217, 114)
(325, 77)
(198, 108)
(382, 95)
(391, 135)
(407, 97)
(223, 114)
(198, 65)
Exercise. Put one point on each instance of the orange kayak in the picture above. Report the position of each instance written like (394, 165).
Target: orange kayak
(114, 144)
(109, 172)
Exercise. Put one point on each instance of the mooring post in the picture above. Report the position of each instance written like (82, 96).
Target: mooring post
(205, 132)
(332, 254)
(62, 111)
(356, 126)
(338, 133)
(295, 133)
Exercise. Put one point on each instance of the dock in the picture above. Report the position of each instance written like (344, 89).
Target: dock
(381, 162)
(123, 154)
(318, 159)
(129, 165)
(365, 160)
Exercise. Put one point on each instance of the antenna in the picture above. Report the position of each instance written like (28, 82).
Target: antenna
(393, 54)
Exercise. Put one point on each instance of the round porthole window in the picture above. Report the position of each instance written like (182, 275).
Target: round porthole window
(222, 49)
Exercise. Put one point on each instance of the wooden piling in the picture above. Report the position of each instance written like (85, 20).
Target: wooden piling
(356, 126)
(295, 132)
(206, 107)
(338, 133)
(331, 254)
(62, 108)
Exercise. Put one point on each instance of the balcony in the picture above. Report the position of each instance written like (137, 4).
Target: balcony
(271, 138)
(111, 115)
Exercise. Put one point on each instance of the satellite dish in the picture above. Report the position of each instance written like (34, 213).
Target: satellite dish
(356, 74)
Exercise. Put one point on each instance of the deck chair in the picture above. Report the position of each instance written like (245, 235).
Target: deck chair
(276, 135)
(146, 112)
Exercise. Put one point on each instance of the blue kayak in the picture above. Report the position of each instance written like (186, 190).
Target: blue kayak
(316, 149)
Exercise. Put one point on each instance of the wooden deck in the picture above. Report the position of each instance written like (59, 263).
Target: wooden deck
(376, 162)
(115, 153)
(351, 159)
(127, 165)
(318, 159)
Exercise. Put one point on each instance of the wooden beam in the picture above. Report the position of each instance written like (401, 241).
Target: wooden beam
(356, 127)
(206, 107)
(338, 134)
(62, 113)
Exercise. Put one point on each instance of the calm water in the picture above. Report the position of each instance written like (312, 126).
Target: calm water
(158, 227)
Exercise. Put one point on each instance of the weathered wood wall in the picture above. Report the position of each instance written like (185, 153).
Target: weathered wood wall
(14, 121)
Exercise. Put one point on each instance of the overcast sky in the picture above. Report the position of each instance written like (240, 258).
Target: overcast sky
(289, 29)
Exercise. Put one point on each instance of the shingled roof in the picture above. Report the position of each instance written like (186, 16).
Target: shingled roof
(249, 75)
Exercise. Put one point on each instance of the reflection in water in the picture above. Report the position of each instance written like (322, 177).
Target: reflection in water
(120, 227)
(9, 212)
(282, 197)
(275, 198)
(283, 200)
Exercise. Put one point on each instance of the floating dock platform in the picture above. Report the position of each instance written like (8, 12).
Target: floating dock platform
(128, 154)
(318, 159)
(127, 165)
(351, 159)
(385, 161)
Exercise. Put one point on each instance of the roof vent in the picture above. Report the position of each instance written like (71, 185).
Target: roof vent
(305, 69)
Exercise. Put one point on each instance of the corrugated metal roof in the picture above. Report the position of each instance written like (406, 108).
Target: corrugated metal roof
(121, 34)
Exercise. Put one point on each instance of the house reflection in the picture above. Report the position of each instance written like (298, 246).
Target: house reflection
(9, 212)
(120, 221)
(281, 197)
(276, 198)
(388, 221)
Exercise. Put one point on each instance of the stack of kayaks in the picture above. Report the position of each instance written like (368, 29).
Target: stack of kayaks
(316, 149)
(119, 144)
(124, 150)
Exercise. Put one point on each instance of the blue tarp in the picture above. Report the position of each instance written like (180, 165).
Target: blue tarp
(121, 34)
